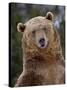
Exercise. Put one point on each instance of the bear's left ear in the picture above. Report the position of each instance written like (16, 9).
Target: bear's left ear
(49, 16)
(21, 27)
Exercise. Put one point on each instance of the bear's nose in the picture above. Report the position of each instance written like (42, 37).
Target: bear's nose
(42, 42)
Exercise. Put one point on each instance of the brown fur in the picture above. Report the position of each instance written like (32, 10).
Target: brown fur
(41, 66)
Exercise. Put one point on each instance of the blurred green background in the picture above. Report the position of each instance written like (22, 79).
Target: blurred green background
(21, 12)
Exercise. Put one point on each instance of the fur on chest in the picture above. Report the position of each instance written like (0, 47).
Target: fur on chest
(45, 73)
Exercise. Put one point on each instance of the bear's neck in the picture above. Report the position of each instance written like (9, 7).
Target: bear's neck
(35, 60)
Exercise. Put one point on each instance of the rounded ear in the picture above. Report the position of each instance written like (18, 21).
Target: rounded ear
(20, 27)
(49, 16)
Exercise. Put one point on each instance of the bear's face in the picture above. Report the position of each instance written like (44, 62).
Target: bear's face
(40, 38)
(38, 31)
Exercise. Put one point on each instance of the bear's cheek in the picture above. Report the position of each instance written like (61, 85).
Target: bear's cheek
(30, 40)
(50, 35)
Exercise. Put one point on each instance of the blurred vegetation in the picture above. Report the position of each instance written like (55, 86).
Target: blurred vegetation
(22, 13)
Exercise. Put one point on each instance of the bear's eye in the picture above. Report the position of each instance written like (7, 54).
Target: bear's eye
(33, 32)
(44, 29)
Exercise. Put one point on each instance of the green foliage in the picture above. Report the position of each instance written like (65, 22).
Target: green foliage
(34, 13)
(62, 36)
(16, 52)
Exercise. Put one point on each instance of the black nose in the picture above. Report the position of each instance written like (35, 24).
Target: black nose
(42, 42)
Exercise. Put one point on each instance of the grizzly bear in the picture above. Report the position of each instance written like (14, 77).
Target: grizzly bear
(43, 62)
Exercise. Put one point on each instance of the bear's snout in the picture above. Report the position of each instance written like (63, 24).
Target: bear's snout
(42, 42)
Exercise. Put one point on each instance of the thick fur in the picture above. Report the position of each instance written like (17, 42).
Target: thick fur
(41, 66)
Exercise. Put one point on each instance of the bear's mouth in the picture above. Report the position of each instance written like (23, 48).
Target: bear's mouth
(42, 45)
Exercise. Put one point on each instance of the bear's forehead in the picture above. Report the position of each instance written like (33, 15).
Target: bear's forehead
(35, 20)
(38, 22)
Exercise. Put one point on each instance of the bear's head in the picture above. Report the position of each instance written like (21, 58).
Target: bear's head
(38, 32)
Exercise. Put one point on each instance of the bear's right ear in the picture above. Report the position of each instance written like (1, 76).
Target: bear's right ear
(49, 16)
(20, 27)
